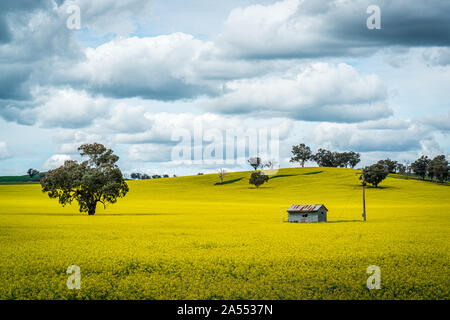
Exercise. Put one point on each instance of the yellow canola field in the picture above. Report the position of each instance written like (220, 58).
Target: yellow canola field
(188, 238)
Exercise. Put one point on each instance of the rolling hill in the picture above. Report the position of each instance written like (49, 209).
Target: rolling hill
(192, 238)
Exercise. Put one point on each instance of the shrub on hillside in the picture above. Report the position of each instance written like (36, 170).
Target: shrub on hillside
(258, 178)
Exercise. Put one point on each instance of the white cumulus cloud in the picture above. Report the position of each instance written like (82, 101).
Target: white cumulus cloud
(55, 161)
(320, 92)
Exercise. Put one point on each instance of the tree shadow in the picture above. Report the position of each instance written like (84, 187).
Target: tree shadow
(98, 214)
(283, 175)
(380, 187)
(370, 187)
(228, 182)
(261, 187)
(340, 221)
(309, 173)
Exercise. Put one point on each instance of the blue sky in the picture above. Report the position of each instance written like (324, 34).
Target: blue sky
(137, 71)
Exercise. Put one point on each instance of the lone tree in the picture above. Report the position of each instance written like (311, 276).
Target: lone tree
(258, 178)
(301, 154)
(32, 172)
(420, 166)
(221, 173)
(255, 162)
(374, 174)
(97, 179)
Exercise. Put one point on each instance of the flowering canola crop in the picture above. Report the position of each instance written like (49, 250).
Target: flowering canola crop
(190, 238)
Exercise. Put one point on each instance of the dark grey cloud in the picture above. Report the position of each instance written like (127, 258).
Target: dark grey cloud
(36, 39)
(13, 82)
(175, 89)
(8, 7)
(323, 28)
(37, 48)
(43, 65)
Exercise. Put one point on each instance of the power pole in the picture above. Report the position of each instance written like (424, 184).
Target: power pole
(364, 197)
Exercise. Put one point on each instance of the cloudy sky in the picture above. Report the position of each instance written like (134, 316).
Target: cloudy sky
(136, 71)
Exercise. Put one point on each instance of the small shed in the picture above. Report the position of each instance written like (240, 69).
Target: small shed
(306, 213)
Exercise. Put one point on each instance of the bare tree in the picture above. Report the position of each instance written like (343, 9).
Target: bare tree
(255, 162)
(269, 164)
(32, 172)
(222, 173)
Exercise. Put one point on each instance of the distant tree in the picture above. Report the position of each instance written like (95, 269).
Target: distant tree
(156, 176)
(255, 162)
(353, 159)
(258, 178)
(38, 176)
(32, 172)
(165, 176)
(341, 159)
(200, 173)
(135, 175)
(325, 158)
(97, 179)
(174, 175)
(374, 174)
(145, 176)
(301, 153)
(438, 168)
(390, 165)
(221, 173)
(401, 168)
(419, 166)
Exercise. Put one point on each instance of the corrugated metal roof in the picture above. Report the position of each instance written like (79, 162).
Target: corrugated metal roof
(305, 207)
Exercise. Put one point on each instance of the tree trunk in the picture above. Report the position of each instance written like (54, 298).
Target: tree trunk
(91, 209)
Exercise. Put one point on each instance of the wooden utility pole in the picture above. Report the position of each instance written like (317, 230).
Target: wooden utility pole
(364, 197)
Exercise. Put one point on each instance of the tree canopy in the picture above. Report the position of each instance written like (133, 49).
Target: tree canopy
(390, 165)
(438, 168)
(301, 154)
(97, 179)
(258, 178)
(420, 166)
(374, 174)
